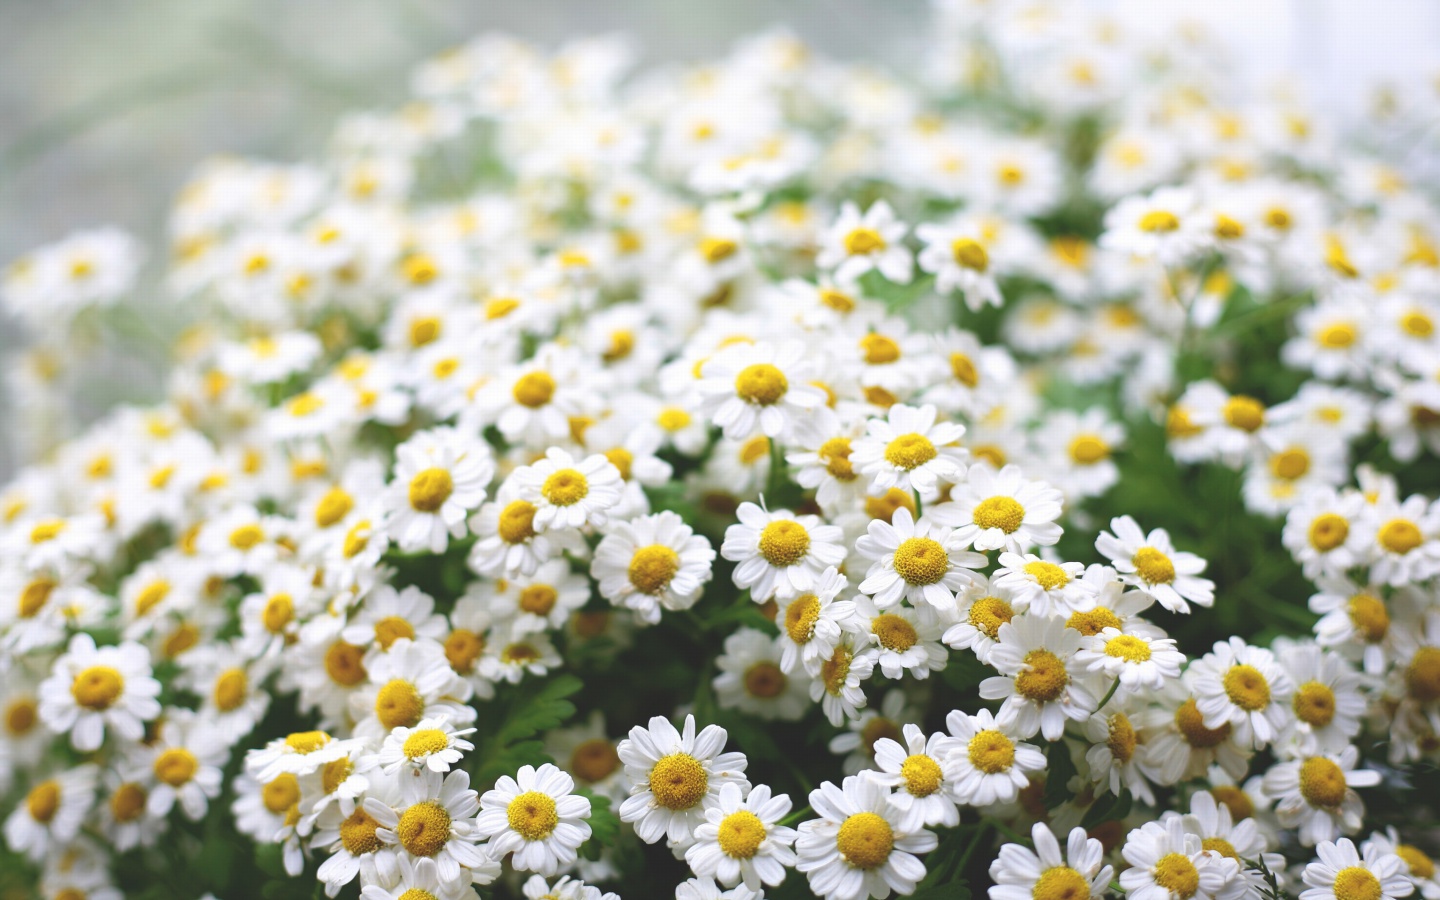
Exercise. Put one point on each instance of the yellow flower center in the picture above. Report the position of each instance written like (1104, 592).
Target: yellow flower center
(921, 561)
(672, 418)
(1048, 575)
(1044, 677)
(43, 801)
(1369, 616)
(1247, 688)
(357, 833)
(1158, 221)
(1128, 647)
(148, 598)
(801, 616)
(987, 614)
(865, 840)
(246, 537)
(391, 629)
(279, 611)
(281, 794)
(894, 632)
(230, 689)
(1153, 566)
(716, 250)
(398, 703)
(1004, 513)
(344, 664)
(970, 254)
(517, 522)
(863, 241)
(21, 716)
(622, 344)
(652, 568)
(176, 766)
(128, 802)
(1337, 336)
(97, 687)
(594, 760)
(34, 596)
(46, 531)
(1328, 531)
(1244, 413)
(1088, 449)
(533, 389)
(963, 369)
(1400, 536)
(430, 489)
(1061, 883)
(909, 451)
(532, 815)
(741, 834)
(879, 350)
(922, 775)
(1191, 724)
(356, 539)
(1314, 703)
(424, 742)
(1422, 676)
(1416, 324)
(761, 384)
(462, 648)
(1356, 883)
(334, 773)
(1121, 738)
(565, 487)
(1177, 874)
(1322, 782)
(835, 453)
(1290, 464)
(424, 828)
(420, 894)
(306, 741)
(621, 459)
(1421, 865)
(1234, 799)
(992, 752)
(1093, 621)
(678, 781)
(784, 543)
(764, 680)
(1228, 229)
(835, 670)
(334, 506)
(1178, 424)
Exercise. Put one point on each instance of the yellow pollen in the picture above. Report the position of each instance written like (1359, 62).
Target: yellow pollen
(922, 775)
(1061, 883)
(1356, 883)
(884, 506)
(334, 506)
(1043, 679)
(594, 760)
(565, 487)
(909, 451)
(865, 840)
(1328, 531)
(835, 453)
(97, 687)
(1337, 336)
(1421, 865)
(715, 250)
(306, 404)
(462, 648)
(334, 773)
(1370, 617)
(520, 652)
(1048, 575)
(863, 241)
(230, 690)
(800, 618)
(1246, 687)
(1191, 724)
(879, 350)
(391, 629)
(1244, 413)
(963, 369)
(517, 522)
(128, 802)
(1128, 647)
(422, 894)
(987, 614)
(833, 299)
(1004, 513)
(835, 670)
(652, 568)
(1422, 676)
(1322, 782)
(47, 531)
(755, 449)
(678, 781)
(761, 384)
(34, 596)
(1416, 324)
(622, 344)
(1093, 621)
(246, 537)
(532, 815)
(279, 612)
(1177, 874)
(398, 704)
(1120, 739)
(43, 801)
(921, 561)
(991, 751)
(281, 794)
(1400, 536)
(1088, 449)
(894, 632)
(344, 664)
(306, 741)
(672, 419)
(533, 389)
(1228, 229)
(424, 742)
(784, 543)
(1178, 424)
(1153, 566)
(424, 330)
(1234, 799)
(538, 599)
(424, 829)
(621, 459)
(765, 680)
(1158, 221)
(21, 716)
(357, 833)
(1314, 703)
(741, 834)
(176, 766)
(429, 490)
(970, 254)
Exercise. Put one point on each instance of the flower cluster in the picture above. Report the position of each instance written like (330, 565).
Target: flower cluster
(1039, 447)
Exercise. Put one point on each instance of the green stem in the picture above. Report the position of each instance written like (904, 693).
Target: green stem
(919, 505)
(797, 815)
(1108, 694)
(777, 472)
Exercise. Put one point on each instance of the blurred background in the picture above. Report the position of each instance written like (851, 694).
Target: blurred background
(105, 107)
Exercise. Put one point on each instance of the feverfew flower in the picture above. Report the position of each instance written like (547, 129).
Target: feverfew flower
(652, 562)
(569, 494)
(909, 450)
(53, 812)
(857, 849)
(1316, 794)
(535, 816)
(1138, 661)
(94, 688)
(741, 840)
(1343, 873)
(675, 776)
(1039, 677)
(779, 553)
(811, 623)
(437, 826)
(857, 244)
(988, 763)
(1168, 863)
(1151, 564)
(1242, 686)
(1001, 510)
(432, 744)
(918, 770)
(440, 476)
(915, 561)
(1020, 873)
(749, 389)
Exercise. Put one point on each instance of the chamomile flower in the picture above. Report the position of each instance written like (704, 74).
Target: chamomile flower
(538, 602)
(1355, 620)
(752, 681)
(652, 562)
(408, 683)
(1342, 873)
(1039, 677)
(811, 623)
(902, 639)
(536, 817)
(918, 770)
(1138, 661)
(185, 766)
(567, 493)
(910, 450)
(762, 388)
(779, 554)
(52, 813)
(94, 689)
(298, 753)
(742, 840)
(433, 744)
(387, 615)
(1045, 588)
(440, 475)
(1328, 701)
(1114, 756)
(1044, 873)
(1001, 510)
(1242, 686)
(1153, 226)
(856, 244)
(988, 762)
(1320, 532)
(1403, 540)
(1316, 794)
(1151, 564)
(856, 849)
(836, 686)
(437, 826)
(958, 255)
(675, 777)
(916, 561)
(509, 542)
(1168, 863)
(1419, 867)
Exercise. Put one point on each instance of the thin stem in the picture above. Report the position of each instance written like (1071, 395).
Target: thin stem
(777, 471)
(1108, 694)
(919, 505)
(797, 815)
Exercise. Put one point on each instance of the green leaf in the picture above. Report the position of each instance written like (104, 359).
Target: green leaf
(1108, 808)
(1058, 773)
(958, 889)
(604, 824)
(544, 708)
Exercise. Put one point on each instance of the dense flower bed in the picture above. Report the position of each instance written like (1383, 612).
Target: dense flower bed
(768, 477)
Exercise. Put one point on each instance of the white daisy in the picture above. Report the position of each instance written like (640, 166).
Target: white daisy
(1039, 677)
(1001, 510)
(509, 541)
(982, 608)
(1343, 873)
(567, 493)
(780, 554)
(1045, 588)
(440, 476)
(988, 763)
(675, 776)
(811, 623)
(186, 765)
(387, 615)
(94, 688)
(921, 562)
(439, 827)
(1044, 873)
(764, 388)
(919, 771)
(857, 849)
(1167, 863)
(1328, 702)
(750, 678)
(1242, 686)
(538, 602)
(1320, 532)
(433, 744)
(1138, 661)
(902, 639)
(652, 562)
(421, 878)
(909, 450)
(741, 840)
(411, 681)
(1152, 565)
(536, 817)
(836, 686)
(1403, 540)
(53, 812)
(1316, 794)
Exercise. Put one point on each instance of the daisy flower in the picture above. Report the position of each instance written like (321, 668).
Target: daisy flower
(355, 849)
(53, 812)
(533, 402)
(298, 753)
(1043, 587)
(836, 687)
(1151, 564)
(752, 681)
(1403, 540)
(186, 767)
(918, 771)
(1001, 510)
(811, 623)
(569, 494)
(741, 840)
(916, 561)
(1136, 660)
(1320, 532)
(1419, 867)
(588, 754)
(411, 681)
(982, 608)
(1020, 873)
(565, 888)
(1113, 760)
(857, 244)
(675, 777)
(1316, 794)
(959, 257)
(513, 654)
(1354, 620)
(1167, 863)
(536, 817)
(909, 450)
(1154, 226)
(422, 878)
(902, 639)
(1328, 701)
(828, 470)
(538, 602)
(388, 615)
(1244, 687)
(1039, 677)
(94, 688)
(440, 475)
(509, 542)
(988, 763)
(439, 827)
(857, 849)
(760, 388)
(432, 744)
(780, 554)
(1343, 873)
(652, 562)
(1175, 742)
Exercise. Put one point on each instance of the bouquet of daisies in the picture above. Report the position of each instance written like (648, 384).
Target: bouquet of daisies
(773, 477)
